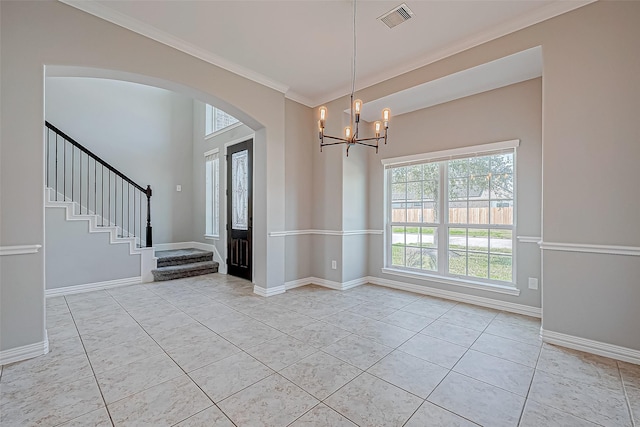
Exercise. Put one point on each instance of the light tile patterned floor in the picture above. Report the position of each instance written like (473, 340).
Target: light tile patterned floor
(206, 351)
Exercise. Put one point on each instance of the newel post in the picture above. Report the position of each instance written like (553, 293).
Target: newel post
(149, 233)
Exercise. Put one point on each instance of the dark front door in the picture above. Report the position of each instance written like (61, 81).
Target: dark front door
(239, 208)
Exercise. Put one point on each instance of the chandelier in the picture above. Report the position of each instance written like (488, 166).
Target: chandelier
(351, 132)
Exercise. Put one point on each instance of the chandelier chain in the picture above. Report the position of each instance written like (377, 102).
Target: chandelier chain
(353, 65)
(351, 132)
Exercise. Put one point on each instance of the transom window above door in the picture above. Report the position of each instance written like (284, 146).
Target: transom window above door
(217, 120)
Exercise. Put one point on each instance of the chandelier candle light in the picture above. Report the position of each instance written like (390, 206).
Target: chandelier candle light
(350, 135)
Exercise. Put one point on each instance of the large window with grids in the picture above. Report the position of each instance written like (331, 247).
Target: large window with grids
(452, 213)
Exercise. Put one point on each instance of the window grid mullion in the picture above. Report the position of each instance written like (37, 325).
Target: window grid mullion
(443, 235)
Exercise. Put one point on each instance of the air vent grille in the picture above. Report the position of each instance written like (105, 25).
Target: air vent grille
(396, 16)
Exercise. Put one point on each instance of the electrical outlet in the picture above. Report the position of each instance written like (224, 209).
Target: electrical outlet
(533, 283)
(178, 187)
(334, 264)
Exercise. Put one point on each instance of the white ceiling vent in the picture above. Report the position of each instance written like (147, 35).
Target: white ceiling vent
(396, 16)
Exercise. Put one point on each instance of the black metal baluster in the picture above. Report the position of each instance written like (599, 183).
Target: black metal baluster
(122, 207)
(80, 183)
(46, 166)
(115, 201)
(95, 188)
(140, 201)
(73, 169)
(128, 210)
(102, 195)
(88, 183)
(64, 171)
(56, 189)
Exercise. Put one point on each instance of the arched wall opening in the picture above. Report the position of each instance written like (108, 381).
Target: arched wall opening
(87, 42)
(152, 131)
(259, 135)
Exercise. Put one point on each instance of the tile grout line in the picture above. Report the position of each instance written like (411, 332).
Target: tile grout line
(317, 349)
(173, 360)
(626, 395)
(95, 378)
(451, 370)
(241, 350)
(526, 399)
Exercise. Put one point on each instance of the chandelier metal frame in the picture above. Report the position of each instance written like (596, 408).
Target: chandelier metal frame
(351, 136)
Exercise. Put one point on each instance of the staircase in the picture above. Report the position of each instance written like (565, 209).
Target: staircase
(181, 263)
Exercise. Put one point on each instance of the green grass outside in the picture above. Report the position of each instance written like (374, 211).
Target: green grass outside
(500, 266)
(496, 234)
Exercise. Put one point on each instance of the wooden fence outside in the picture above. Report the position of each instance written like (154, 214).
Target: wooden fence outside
(501, 216)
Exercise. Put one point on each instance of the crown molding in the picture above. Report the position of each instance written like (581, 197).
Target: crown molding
(301, 99)
(99, 10)
(544, 13)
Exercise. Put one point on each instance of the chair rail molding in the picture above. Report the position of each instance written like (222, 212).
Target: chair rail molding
(529, 239)
(19, 249)
(323, 232)
(589, 248)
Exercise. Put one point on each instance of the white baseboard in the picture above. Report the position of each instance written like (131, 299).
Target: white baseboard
(268, 292)
(298, 283)
(68, 290)
(222, 266)
(457, 296)
(25, 352)
(419, 289)
(326, 283)
(596, 347)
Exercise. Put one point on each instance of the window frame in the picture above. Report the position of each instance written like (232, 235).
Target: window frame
(210, 113)
(443, 226)
(212, 218)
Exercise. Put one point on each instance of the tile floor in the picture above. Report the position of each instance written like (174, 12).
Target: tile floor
(206, 351)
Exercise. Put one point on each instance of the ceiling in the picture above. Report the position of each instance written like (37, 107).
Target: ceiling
(303, 48)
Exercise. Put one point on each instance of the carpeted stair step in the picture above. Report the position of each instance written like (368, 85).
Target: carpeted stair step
(180, 271)
(182, 257)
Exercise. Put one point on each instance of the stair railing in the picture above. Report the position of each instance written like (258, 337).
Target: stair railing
(77, 175)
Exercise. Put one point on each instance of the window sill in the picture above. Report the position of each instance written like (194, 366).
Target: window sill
(223, 130)
(211, 237)
(490, 287)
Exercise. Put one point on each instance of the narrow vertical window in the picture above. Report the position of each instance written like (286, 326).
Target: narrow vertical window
(212, 193)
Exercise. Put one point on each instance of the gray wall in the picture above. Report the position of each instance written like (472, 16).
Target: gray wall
(80, 43)
(298, 186)
(143, 131)
(590, 132)
(591, 176)
(73, 256)
(512, 112)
